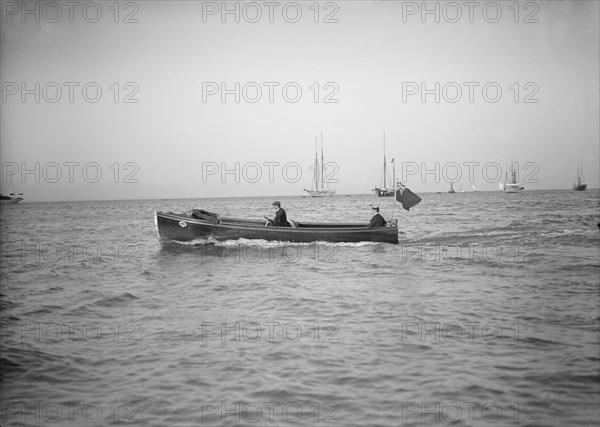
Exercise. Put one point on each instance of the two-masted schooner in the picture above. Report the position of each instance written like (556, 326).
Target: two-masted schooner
(384, 190)
(12, 198)
(317, 188)
(579, 185)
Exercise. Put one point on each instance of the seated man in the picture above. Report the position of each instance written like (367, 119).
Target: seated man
(377, 220)
(280, 219)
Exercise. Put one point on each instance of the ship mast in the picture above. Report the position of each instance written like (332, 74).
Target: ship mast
(384, 164)
(322, 163)
(316, 166)
(394, 176)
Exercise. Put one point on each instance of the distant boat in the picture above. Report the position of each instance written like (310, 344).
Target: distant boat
(451, 191)
(12, 198)
(384, 191)
(319, 176)
(579, 185)
(474, 188)
(511, 185)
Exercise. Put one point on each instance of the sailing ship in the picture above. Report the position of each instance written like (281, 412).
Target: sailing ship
(579, 185)
(319, 176)
(451, 191)
(512, 185)
(12, 198)
(384, 191)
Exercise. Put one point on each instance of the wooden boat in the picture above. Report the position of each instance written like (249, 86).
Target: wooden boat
(202, 225)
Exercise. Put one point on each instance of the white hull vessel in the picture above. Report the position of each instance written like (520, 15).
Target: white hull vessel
(511, 188)
(512, 185)
(11, 201)
(319, 193)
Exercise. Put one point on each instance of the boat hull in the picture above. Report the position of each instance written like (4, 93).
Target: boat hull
(384, 192)
(183, 228)
(511, 188)
(10, 201)
(581, 187)
(324, 193)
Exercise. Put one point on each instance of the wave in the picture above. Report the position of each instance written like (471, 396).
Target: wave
(262, 243)
(116, 300)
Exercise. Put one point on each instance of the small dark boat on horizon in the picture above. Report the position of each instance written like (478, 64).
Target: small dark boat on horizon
(201, 225)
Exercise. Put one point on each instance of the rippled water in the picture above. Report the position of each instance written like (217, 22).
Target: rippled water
(486, 313)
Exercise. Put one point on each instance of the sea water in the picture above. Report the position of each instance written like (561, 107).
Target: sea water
(486, 313)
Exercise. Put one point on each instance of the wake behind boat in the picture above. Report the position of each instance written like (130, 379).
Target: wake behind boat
(202, 225)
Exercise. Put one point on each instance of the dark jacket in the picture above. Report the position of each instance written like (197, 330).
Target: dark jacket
(281, 218)
(377, 221)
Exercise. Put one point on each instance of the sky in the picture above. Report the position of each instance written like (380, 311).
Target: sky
(166, 99)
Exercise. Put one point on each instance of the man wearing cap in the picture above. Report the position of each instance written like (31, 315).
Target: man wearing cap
(280, 219)
(377, 220)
